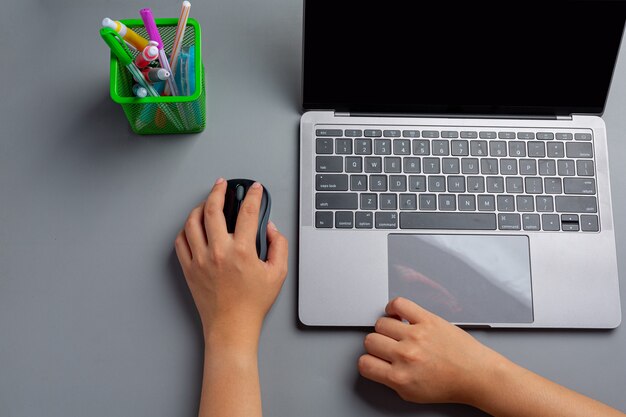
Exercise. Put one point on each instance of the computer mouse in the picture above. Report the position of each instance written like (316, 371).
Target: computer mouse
(236, 191)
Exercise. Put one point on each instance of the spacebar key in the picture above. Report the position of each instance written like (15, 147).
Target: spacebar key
(340, 201)
(448, 221)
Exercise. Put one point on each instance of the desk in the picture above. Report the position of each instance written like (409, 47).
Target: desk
(95, 316)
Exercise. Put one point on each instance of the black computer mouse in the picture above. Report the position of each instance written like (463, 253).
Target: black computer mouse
(235, 193)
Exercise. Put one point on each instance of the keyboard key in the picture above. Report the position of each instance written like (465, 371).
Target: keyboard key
(391, 133)
(525, 135)
(338, 201)
(373, 133)
(528, 167)
(547, 167)
(497, 148)
(544, 203)
(343, 146)
(569, 222)
(358, 182)
(369, 202)
(460, 148)
(576, 204)
(417, 183)
(534, 185)
(508, 166)
(324, 219)
(329, 132)
(411, 165)
(430, 134)
(388, 202)
(584, 168)
(469, 134)
(478, 147)
(552, 186)
(566, 168)
(556, 150)
(525, 203)
(353, 133)
(448, 221)
(475, 184)
(579, 150)
(456, 184)
(364, 220)
(373, 164)
(469, 166)
(536, 149)
(324, 145)
(408, 202)
(447, 202)
(467, 203)
(441, 147)
(430, 166)
(506, 135)
(582, 136)
(401, 147)
(514, 185)
(344, 220)
(517, 149)
(428, 202)
(363, 146)
(495, 184)
(545, 135)
(506, 203)
(386, 220)
(531, 222)
(329, 164)
(509, 221)
(551, 222)
(564, 136)
(378, 183)
(393, 164)
(579, 185)
(354, 164)
(421, 147)
(436, 184)
(486, 203)
(331, 182)
(397, 183)
(589, 223)
(411, 133)
(450, 166)
(382, 147)
(488, 166)
(450, 134)
(487, 135)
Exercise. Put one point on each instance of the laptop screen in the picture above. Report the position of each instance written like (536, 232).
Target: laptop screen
(473, 57)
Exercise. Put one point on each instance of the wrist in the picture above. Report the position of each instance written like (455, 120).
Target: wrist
(232, 335)
(492, 382)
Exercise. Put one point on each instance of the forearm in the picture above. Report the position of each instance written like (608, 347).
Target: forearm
(230, 385)
(509, 390)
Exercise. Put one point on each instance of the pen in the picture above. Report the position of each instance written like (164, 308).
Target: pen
(149, 54)
(153, 33)
(133, 38)
(155, 74)
(113, 40)
(178, 39)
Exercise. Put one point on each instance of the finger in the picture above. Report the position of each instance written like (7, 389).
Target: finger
(391, 327)
(182, 248)
(278, 250)
(382, 347)
(214, 220)
(247, 224)
(406, 309)
(374, 368)
(194, 232)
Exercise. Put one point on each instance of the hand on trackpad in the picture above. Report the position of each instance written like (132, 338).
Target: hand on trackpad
(469, 279)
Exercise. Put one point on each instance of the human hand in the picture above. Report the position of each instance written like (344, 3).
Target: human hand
(232, 288)
(426, 360)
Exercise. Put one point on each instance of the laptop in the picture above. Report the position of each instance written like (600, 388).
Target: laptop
(454, 154)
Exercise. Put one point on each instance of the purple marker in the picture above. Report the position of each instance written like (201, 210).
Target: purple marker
(153, 33)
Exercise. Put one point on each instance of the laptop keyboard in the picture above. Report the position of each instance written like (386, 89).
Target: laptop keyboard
(455, 179)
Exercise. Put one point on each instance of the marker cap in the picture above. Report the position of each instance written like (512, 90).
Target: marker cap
(151, 28)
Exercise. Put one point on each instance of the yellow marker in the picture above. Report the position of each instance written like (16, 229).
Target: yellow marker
(129, 35)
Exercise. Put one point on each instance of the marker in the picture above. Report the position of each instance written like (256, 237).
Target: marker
(149, 54)
(153, 33)
(156, 74)
(139, 91)
(178, 38)
(133, 38)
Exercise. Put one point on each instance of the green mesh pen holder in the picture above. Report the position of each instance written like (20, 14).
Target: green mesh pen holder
(164, 114)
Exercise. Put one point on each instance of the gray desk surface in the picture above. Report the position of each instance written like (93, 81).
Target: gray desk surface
(95, 316)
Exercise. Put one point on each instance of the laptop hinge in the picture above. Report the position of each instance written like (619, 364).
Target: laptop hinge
(342, 114)
(455, 116)
(564, 117)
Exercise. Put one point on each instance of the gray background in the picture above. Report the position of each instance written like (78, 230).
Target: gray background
(95, 316)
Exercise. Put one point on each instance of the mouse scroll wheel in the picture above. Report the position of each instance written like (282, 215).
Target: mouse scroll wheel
(239, 192)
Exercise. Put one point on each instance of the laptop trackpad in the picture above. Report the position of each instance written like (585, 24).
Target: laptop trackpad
(463, 278)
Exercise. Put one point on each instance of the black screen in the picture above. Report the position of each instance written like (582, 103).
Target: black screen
(472, 57)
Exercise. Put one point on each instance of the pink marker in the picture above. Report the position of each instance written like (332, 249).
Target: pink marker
(149, 54)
